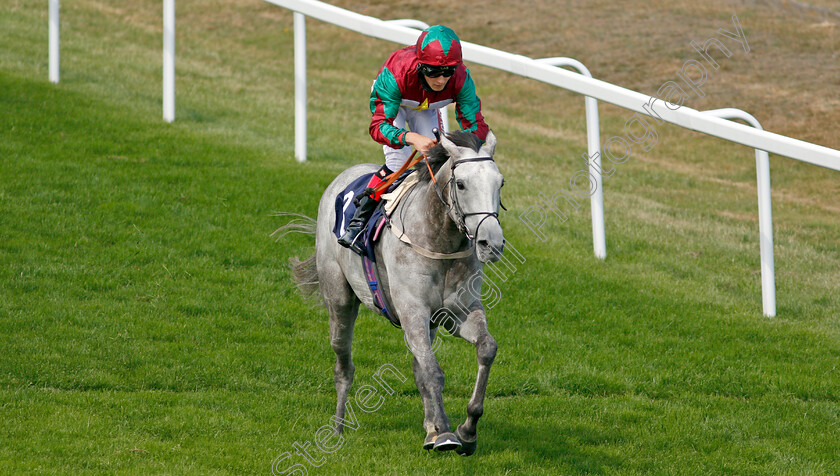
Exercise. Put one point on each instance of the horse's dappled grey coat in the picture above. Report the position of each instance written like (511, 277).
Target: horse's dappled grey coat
(416, 287)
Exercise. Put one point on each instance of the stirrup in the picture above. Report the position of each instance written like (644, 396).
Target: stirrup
(347, 242)
(354, 245)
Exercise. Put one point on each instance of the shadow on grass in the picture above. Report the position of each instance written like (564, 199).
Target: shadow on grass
(548, 445)
(551, 444)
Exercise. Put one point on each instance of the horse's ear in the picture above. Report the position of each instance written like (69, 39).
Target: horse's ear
(489, 144)
(452, 149)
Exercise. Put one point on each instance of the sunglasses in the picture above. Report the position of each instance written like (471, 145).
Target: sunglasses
(437, 71)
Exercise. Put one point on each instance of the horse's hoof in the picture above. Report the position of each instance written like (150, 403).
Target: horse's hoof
(446, 442)
(467, 447)
(429, 443)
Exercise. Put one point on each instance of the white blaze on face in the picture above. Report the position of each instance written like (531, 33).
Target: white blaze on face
(484, 199)
(477, 187)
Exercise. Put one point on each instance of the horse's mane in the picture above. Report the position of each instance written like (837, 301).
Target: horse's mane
(438, 156)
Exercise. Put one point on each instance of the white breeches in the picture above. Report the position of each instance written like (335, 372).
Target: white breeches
(421, 122)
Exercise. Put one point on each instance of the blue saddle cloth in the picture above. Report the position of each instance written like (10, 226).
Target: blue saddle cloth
(345, 207)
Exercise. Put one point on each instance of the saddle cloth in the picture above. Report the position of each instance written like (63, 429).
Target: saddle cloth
(345, 207)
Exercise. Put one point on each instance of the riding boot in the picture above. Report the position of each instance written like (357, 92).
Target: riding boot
(354, 229)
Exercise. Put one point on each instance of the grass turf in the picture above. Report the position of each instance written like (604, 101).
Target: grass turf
(148, 323)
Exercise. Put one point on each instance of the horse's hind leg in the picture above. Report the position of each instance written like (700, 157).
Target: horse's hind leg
(343, 307)
(341, 338)
(474, 330)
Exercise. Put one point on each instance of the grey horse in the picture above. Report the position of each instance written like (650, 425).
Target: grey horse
(451, 220)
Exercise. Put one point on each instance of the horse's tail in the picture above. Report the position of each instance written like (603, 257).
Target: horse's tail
(304, 273)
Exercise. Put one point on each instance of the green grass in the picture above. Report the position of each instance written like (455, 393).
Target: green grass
(148, 324)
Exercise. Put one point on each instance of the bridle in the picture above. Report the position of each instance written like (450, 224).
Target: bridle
(455, 205)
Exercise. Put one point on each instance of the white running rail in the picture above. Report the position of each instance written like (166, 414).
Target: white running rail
(300, 86)
(713, 123)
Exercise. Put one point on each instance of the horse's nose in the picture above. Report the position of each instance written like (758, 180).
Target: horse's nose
(487, 251)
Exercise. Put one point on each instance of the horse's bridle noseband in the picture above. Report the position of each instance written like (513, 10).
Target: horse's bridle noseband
(455, 204)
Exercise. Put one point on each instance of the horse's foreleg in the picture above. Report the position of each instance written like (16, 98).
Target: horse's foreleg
(474, 330)
(430, 380)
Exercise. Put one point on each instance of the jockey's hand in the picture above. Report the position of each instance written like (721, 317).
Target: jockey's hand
(420, 142)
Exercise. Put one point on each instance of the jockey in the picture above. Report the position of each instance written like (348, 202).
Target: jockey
(414, 83)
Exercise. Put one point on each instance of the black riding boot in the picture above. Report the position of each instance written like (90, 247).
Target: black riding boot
(363, 212)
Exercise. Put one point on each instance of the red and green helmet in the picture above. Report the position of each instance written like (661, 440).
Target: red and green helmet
(439, 46)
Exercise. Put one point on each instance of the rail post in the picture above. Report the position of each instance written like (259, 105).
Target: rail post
(300, 86)
(765, 212)
(593, 139)
(168, 60)
(54, 41)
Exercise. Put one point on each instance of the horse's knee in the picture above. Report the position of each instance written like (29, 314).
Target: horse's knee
(486, 350)
(344, 371)
(429, 374)
(341, 349)
(475, 409)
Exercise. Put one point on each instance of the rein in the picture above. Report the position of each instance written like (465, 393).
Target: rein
(455, 205)
(390, 179)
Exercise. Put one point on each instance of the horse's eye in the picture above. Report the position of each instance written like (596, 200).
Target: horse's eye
(460, 184)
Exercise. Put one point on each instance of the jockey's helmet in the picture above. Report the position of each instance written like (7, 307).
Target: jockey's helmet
(439, 46)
